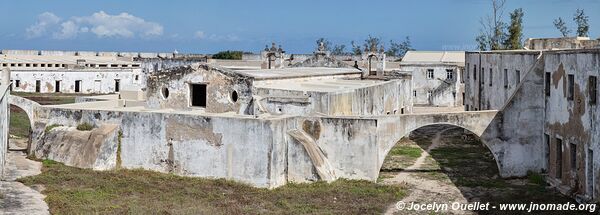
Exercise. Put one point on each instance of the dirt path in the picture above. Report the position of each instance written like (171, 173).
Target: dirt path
(16, 198)
(424, 190)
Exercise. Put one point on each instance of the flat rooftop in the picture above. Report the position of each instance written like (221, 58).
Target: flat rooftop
(296, 72)
(66, 59)
(333, 85)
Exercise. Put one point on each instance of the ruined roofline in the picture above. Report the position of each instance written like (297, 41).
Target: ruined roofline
(519, 51)
(83, 53)
(583, 50)
(432, 64)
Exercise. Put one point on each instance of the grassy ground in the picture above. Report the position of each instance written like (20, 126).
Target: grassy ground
(19, 122)
(472, 168)
(462, 160)
(48, 98)
(402, 155)
(78, 191)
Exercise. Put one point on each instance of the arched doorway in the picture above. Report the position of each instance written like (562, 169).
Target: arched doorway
(370, 64)
(20, 131)
(448, 163)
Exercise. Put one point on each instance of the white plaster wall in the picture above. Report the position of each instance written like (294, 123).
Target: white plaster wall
(88, 77)
(384, 99)
(4, 120)
(494, 97)
(442, 88)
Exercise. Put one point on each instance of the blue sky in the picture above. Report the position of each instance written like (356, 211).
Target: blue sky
(210, 26)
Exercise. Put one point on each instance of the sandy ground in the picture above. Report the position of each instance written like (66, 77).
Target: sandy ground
(16, 198)
(425, 190)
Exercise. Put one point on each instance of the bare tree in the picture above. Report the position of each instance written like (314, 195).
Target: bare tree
(371, 44)
(326, 43)
(356, 50)
(399, 49)
(339, 50)
(492, 27)
(562, 27)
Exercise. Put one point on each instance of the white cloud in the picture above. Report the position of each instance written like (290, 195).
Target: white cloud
(68, 30)
(102, 25)
(45, 21)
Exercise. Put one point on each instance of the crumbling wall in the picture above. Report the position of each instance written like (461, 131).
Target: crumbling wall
(574, 121)
(221, 87)
(95, 149)
(244, 149)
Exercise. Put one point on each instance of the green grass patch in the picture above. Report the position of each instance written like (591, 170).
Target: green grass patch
(19, 123)
(50, 127)
(71, 190)
(535, 178)
(409, 151)
(85, 127)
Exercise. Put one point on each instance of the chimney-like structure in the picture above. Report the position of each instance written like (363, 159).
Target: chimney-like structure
(273, 58)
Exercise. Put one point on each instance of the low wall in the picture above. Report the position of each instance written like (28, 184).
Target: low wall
(4, 120)
(242, 149)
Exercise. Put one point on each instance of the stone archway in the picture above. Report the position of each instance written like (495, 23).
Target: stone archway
(20, 129)
(370, 64)
(446, 127)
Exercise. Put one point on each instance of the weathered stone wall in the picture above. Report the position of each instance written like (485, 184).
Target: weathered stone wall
(391, 97)
(537, 121)
(220, 89)
(561, 43)
(444, 92)
(575, 122)
(4, 121)
(519, 125)
(97, 81)
(153, 65)
(244, 149)
(491, 92)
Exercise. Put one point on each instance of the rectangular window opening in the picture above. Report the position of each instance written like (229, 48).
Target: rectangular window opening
(590, 172)
(57, 87)
(505, 78)
(517, 77)
(559, 158)
(198, 95)
(593, 86)
(547, 84)
(78, 86)
(482, 77)
(491, 76)
(450, 74)
(17, 83)
(573, 149)
(38, 84)
(117, 85)
(571, 87)
(547, 150)
(430, 74)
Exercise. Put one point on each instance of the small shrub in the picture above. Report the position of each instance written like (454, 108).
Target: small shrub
(50, 127)
(85, 127)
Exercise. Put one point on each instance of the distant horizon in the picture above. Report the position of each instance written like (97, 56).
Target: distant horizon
(210, 27)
